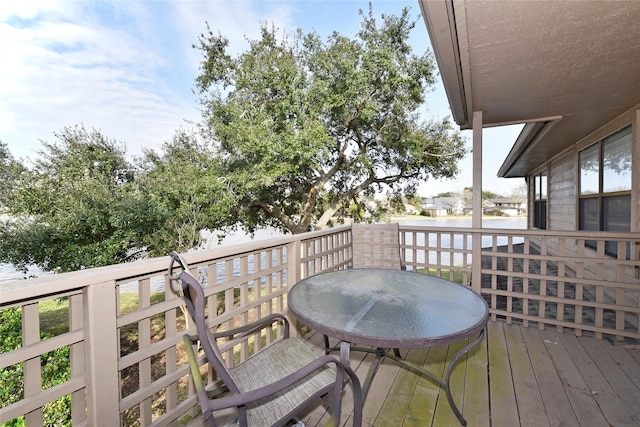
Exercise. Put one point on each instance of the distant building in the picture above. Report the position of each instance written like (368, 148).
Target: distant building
(442, 206)
(506, 207)
(410, 209)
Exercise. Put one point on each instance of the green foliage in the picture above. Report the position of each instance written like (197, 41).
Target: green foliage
(445, 194)
(10, 377)
(78, 207)
(184, 181)
(55, 369)
(10, 171)
(307, 129)
(490, 195)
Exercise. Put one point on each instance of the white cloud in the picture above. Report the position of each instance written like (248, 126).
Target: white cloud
(28, 9)
(66, 67)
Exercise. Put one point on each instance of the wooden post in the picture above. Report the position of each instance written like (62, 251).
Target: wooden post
(101, 355)
(32, 367)
(76, 354)
(294, 274)
(476, 219)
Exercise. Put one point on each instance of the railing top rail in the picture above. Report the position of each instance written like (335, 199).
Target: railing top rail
(577, 234)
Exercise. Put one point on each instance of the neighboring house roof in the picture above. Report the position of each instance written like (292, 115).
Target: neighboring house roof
(564, 67)
(508, 202)
(410, 208)
(441, 202)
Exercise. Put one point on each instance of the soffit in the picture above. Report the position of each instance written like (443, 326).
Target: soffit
(525, 61)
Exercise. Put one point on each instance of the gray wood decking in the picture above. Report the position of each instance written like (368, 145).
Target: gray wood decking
(517, 377)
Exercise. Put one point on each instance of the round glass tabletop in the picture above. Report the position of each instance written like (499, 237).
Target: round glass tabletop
(388, 308)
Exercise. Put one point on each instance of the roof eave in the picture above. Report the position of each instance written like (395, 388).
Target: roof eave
(440, 22)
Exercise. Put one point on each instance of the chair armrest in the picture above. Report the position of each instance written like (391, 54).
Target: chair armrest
(254, 326)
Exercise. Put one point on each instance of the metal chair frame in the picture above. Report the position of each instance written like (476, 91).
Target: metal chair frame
(290, 375)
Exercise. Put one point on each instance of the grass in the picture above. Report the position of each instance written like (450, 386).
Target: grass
(458, 275)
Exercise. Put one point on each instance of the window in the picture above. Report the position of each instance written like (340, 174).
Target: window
(605, 187)
(540, 201)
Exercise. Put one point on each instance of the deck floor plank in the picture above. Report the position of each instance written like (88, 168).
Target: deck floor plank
(516, 377)
(444, 415)
(529, 400)
(380, 391)
(422, 402)
(623, 356)
(634, 352)
(596, 384)
(623, 386)
(476, 389)
(556, 402)
(504, 410)
(401, 403)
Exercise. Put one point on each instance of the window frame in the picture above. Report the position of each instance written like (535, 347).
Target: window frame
(540, 195)
(596, 220)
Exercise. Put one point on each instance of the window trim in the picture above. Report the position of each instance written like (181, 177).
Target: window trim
(540, 197)
(600, 196)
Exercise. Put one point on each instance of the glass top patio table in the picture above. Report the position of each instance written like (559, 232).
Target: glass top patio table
(388, 308)
(391, 309)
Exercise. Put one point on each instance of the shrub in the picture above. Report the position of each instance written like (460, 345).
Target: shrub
(55, 370)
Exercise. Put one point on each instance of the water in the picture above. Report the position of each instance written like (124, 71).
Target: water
(518, 223)
(8, 273)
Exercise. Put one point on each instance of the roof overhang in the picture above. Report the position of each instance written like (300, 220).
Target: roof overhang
(563, 67)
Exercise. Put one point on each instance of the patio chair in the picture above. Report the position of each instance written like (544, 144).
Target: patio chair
(376, 246)
(274, 385)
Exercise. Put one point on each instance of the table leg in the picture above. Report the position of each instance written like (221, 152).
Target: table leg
(345, 349)
(459, 354)
(380, 353)
(446, 382)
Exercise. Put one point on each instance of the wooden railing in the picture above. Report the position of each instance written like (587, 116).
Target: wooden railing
(564, 279)
(121, 326)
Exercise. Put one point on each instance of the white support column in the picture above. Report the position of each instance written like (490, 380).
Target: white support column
(101, 355)
(635, 184)
(476, 219)
(635, 172)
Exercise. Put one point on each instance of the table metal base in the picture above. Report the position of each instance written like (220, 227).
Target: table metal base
(346, 348)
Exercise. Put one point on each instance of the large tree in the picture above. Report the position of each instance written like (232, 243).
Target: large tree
(309, 129)
(183, 179)
(77, 207)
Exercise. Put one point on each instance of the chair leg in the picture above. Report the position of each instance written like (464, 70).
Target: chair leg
(326, 345)
(396, 351)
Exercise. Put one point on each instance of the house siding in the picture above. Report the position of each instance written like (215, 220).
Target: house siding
(562, 194)
(562, 176)
(562, 197)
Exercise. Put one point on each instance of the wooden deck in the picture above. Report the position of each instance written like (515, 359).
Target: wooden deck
(517, 377)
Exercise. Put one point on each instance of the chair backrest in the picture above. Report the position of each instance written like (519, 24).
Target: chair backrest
(195, 301)
(376, 246)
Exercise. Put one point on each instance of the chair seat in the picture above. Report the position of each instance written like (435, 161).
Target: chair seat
(272, 364)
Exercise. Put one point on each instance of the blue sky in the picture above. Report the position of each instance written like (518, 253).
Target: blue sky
(127, 68)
